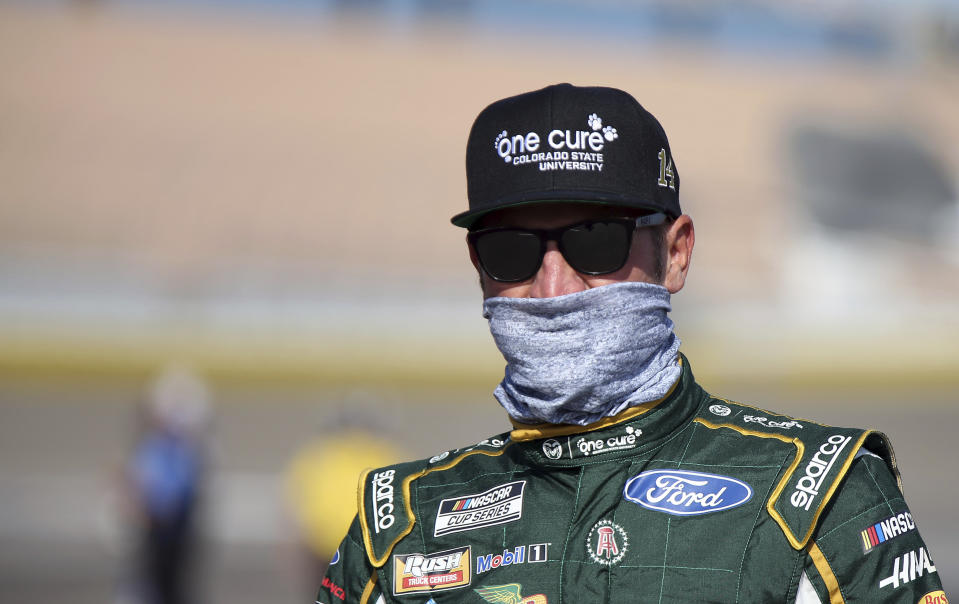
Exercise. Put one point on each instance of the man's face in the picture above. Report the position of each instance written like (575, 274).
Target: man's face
(556, 277)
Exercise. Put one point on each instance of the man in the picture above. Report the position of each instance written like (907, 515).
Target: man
(623, 481)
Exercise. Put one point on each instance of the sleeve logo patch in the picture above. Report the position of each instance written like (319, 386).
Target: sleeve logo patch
(935, 597)
(499, 505)
(685, 493)
(335, 590)
(885, 530)
(909, 567)
(447, 569)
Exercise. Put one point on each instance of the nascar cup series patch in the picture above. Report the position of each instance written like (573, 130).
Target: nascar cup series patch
(499, 505)
(686, 493)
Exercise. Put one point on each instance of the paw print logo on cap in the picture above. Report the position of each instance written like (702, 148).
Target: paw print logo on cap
(596, 123)
(496, 145)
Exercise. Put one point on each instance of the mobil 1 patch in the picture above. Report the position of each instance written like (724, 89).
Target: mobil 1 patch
(498, 505)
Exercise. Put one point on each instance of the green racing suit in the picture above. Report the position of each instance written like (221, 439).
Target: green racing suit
(690, 498)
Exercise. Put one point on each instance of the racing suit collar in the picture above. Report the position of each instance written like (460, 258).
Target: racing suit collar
(638, 428)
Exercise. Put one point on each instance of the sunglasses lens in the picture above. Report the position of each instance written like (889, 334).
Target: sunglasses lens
(596, 248)
(509, 255)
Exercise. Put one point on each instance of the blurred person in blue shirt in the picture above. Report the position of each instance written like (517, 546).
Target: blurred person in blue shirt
(165, 477)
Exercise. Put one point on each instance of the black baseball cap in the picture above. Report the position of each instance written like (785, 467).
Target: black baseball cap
(568, 143)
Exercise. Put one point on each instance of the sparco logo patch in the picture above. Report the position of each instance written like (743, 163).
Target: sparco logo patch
(431, 572)
(382, 485)
(576, 149)
(887, 529)
(499, 505)
(607, 543)
(816, 471)
(685, 493)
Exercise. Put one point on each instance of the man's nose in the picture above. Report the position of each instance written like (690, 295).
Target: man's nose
(555, 276)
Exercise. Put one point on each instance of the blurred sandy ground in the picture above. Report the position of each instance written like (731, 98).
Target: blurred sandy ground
(265, 196)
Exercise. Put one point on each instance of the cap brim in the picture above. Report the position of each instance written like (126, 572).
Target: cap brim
(468, 219)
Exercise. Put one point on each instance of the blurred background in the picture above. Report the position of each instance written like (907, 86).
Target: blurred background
(225, 255)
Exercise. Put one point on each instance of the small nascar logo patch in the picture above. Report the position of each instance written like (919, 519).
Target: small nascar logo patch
(885, 530)
(499, 505)
(447, 569)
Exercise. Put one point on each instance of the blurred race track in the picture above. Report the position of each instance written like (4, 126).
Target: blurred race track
(62, 442)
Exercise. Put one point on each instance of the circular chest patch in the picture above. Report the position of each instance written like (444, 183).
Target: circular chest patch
(607, 543)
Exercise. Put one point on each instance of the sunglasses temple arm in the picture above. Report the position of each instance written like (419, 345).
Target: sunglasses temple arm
(650, 220)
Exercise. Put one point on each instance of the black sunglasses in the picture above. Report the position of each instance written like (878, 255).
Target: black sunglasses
(593, 247)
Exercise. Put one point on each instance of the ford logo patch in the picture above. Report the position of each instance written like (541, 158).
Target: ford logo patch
(685, 493)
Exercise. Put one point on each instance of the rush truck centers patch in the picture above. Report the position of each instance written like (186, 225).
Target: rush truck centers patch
(431, 572)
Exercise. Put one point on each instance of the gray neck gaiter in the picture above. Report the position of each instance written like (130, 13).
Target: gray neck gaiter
(578, 358)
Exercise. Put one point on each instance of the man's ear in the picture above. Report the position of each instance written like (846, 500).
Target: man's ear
(680, 239)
